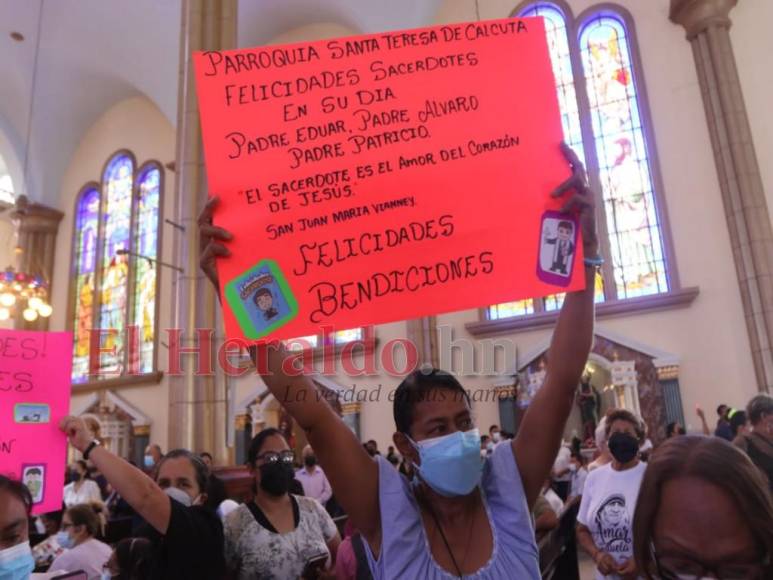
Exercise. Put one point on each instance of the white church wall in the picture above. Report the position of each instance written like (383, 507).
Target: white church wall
(135, 124)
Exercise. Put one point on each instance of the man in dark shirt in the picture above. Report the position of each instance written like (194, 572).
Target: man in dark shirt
(723, 424)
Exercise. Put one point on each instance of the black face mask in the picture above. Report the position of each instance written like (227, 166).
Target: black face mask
(76, 476)
(310, 461)
(275, 478)
(623, 446)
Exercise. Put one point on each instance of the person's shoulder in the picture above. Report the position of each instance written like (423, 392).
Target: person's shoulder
(306, 503)
(94, 545)
(600, 472)
(741, 441)
(236, 518)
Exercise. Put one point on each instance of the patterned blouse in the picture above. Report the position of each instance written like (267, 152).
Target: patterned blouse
(254, 552)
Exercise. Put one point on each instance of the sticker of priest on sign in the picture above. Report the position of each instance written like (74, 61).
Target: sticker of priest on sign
(562, 241)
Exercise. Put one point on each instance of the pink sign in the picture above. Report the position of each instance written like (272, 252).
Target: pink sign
(34, 396)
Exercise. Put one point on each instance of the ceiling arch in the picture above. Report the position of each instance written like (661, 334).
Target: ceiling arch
(95, 53)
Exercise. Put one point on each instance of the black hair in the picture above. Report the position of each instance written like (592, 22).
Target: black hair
(759, 405)
(671, 429)
(34, 471)
(415, 388)
(719, 409)
(54, 517)
(494, 426)
(625, 415)
(263, 292)
(484, 438)
(134, 557)
(204, 454)
(565, 225)
(257, 443)
(85, 466)
(201, 469)
(17, 489)
(737, 420)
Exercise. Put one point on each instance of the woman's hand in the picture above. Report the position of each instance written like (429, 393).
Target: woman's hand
(581, 201)
(628, 569)
(210, 237)
(77, 433)
(605, 563)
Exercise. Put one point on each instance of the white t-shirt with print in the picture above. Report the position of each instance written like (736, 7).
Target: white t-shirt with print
(255, 553)
(607, 508)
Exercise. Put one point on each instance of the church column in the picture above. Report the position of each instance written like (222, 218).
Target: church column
(707, 24)
(422, 332)
(36, 226)
(243, 426)
(197, 404)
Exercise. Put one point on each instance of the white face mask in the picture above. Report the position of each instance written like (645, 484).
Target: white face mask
(16, 562)
(179, 496)
(497, 437)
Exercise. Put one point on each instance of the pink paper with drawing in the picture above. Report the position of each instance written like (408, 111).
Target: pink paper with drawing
(34, 395)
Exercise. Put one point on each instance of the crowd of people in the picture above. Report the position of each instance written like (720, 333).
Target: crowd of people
(444, 502)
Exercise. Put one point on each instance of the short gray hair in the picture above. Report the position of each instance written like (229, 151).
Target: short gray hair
(759, 406)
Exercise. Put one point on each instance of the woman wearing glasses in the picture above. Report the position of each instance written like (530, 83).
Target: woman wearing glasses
(278, 535)
(704, 511)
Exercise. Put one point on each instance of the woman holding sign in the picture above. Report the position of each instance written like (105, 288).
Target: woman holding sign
(187, 536)
(461, 515)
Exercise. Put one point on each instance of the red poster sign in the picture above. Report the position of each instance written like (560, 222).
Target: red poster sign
(386, 177)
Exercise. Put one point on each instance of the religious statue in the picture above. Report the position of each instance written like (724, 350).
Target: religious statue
(589, 400)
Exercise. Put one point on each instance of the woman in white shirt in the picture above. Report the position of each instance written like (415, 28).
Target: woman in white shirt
(80, 489)
(605, 520)
(83, 551)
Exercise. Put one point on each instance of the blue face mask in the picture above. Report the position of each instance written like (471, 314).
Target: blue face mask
(149, 461)
(65, 540)
(451, 465)
(16, 562)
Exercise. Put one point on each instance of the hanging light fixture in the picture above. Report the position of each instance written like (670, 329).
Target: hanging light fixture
(25, 293)
(20, 291)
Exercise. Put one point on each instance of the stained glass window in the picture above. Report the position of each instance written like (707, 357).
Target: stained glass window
(638, 263)
(337, 337)
(558, 45)
(636, 245)
(302, 342)
(113, 289)
(344, 336)
(86, 235)
(146, 244)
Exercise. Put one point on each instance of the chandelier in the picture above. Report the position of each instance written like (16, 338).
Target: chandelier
(25, 292)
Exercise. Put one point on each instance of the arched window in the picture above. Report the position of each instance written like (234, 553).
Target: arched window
(625, 169)
(602, 116)
(114, 271)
